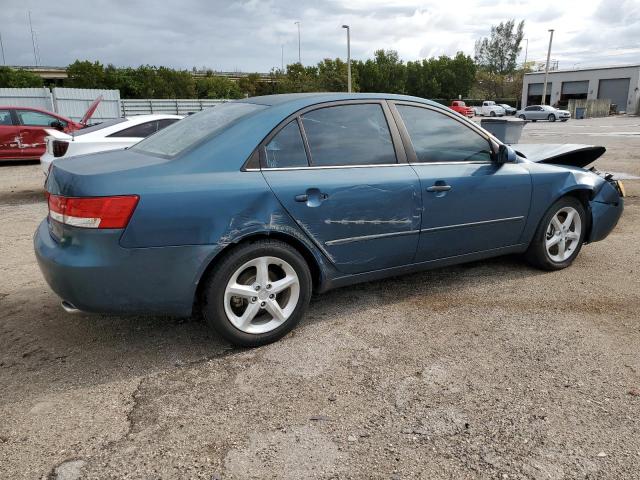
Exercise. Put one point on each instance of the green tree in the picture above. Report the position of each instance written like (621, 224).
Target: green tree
(18, 78)
(212, 86)
(385, 73)
(84, 74)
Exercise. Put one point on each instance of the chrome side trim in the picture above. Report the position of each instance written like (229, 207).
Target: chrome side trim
(472, 224)
(342, 241)
(470, 162)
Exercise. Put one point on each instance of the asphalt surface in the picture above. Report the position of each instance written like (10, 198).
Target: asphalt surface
(487, 370)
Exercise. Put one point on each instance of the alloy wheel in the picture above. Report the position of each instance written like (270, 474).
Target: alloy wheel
(261, 295)
(563, 234)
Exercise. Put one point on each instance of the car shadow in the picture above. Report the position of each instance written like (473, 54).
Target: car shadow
(44, 348)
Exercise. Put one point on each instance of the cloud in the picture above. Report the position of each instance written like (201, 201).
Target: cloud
(248, 35)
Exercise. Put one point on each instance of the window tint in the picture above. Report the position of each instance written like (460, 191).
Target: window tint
(37, 119)
(142, 130)
(286, 149)
(165, 122)
(349, 135)
(192, 130)
(5, 117)
(439, 138)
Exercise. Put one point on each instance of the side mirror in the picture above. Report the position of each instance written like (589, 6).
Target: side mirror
(505, 154)
(57, 125)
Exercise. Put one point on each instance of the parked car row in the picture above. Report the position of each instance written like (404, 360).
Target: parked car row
(490, 108)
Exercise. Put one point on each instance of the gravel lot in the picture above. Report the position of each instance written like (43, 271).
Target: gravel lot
(487, 370)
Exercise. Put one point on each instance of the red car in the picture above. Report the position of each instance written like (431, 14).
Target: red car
(460, 107)
(22, 130)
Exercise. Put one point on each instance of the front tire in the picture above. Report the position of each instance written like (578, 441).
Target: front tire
(551, 118)
(559, 236)
(493, 114)
(522, 116)
(257, 293)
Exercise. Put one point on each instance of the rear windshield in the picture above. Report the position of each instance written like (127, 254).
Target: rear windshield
(181, 135)
(98, 126)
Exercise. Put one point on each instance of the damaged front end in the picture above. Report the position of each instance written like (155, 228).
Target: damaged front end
(571, 155)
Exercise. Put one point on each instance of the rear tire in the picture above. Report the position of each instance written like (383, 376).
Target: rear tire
(522, 116)
(551, 118)
(559, 236)
(492, 114)
(257, 293)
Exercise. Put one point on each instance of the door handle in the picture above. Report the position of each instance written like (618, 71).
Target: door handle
(439, 188)
(313, 198)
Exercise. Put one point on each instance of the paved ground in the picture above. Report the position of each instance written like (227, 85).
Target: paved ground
(488, 370)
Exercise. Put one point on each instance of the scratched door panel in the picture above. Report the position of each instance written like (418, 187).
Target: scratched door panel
(364, 218)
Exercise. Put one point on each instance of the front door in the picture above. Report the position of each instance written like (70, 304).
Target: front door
(339, 178)
(470, 203)
(32, 131)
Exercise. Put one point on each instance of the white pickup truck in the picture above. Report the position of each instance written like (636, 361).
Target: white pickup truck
(490, 109)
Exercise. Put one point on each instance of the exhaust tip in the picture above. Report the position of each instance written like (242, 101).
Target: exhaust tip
(69, 307)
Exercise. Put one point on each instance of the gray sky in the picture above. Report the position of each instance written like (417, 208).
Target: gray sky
(247, 35)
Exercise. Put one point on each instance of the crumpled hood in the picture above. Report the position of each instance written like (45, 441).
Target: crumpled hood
(573, 155)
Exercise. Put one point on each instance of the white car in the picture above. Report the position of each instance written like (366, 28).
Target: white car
(110, 135)
(490, 109)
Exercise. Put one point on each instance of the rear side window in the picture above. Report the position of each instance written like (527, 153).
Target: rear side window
(286, 149)
(5, 118)
(194, 129)
(142, 130)
(439, 138)
(349, 135)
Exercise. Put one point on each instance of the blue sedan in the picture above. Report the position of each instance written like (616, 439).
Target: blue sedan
(243, 210)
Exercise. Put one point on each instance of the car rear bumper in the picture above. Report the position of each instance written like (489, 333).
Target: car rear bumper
(92, 272)
(45, 162)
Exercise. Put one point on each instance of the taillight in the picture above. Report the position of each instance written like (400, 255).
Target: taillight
(92, 212)
(59, 148)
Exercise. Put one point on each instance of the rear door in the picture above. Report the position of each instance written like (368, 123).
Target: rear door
(470, 203)
(341, 173)
(32, 131)
(9, 136)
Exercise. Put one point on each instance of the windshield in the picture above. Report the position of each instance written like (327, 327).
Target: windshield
(184, 134)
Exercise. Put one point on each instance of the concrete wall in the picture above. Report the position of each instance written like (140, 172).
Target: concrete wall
(593, 76)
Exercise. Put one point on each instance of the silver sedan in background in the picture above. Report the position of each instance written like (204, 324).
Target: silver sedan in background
(543, 112)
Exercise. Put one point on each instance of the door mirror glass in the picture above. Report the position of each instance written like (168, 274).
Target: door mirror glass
(57, 125)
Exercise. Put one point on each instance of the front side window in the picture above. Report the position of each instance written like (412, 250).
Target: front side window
(286, 149)
(349, 135)
(5, 118)
(196, 128)
(439, 138)
(37, 119)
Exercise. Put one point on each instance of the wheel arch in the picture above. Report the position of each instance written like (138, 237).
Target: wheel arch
(583, 194)
(314, 263)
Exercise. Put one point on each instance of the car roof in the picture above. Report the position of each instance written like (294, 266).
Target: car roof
(307, 99)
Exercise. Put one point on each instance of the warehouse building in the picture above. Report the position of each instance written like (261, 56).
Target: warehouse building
(620, 85)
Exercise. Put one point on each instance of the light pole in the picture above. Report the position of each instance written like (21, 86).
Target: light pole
(299, 55)
(526, 51)
(4, 62)
(348, 57)
(546, 70)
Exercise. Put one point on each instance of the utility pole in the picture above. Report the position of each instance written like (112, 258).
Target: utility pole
(546, 70)
(33, 40)
(282, 57)
(299, 54)
(526, 51)
(4, 62)
(348, 57)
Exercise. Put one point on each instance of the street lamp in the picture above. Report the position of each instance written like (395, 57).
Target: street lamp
(348, 57)
(299, 55)
(546, 70)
